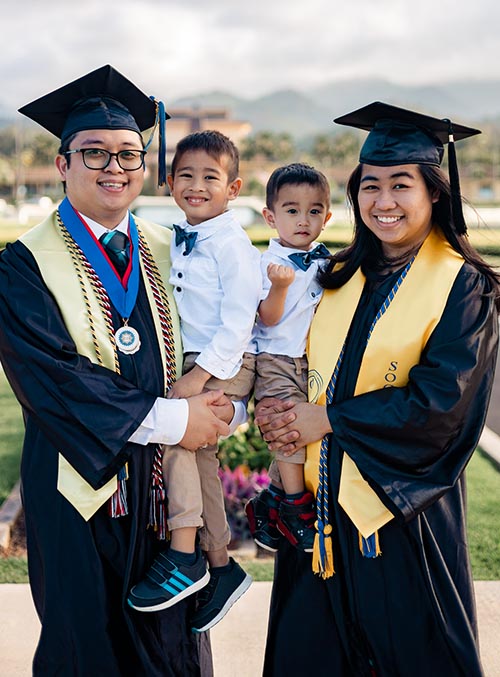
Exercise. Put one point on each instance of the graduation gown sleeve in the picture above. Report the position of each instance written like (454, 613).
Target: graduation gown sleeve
(412, 443)
(86, 411)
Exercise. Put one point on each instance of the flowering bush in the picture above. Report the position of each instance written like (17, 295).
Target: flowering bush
(240, 485)
(245, 447)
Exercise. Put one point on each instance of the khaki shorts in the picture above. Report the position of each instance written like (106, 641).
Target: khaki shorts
(285, 378)
(194, 491)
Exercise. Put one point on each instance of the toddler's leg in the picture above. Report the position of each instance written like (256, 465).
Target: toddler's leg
(180, 570)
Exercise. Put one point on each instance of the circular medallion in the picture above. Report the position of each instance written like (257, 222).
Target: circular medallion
(127, 340)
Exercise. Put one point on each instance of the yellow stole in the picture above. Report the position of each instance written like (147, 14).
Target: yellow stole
(395, 346)
(54, 260)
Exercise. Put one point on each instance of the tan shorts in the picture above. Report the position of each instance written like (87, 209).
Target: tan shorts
(285, 378)
(194, 491)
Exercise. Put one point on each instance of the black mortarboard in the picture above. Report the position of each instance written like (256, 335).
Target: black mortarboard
(398, 136)
(102, 99)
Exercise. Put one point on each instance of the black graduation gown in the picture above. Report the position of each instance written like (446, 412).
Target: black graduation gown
(80, 572)
(409, 612)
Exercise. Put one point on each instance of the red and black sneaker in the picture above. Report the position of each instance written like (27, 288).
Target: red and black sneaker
(296, 521)
(262, 513)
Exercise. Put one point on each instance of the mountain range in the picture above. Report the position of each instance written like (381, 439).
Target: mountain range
(305, 112)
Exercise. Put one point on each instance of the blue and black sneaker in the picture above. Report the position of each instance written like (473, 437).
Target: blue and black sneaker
(227, 584)
(168, 582)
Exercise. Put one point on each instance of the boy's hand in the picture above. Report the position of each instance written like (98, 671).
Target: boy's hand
(280, 276)
(190, 384)
(203, 426)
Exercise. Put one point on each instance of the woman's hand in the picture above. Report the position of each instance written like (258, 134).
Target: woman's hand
(289, 427)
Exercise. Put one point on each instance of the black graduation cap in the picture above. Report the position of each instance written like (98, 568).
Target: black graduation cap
(101, 99)
(398, 136)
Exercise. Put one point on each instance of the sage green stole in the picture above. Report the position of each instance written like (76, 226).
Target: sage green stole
(58, 271)
(394, 347)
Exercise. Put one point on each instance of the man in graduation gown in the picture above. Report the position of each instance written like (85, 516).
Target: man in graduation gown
(90, 346)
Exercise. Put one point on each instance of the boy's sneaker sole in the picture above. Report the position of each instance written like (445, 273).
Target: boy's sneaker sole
(266, 546)
(240, 590)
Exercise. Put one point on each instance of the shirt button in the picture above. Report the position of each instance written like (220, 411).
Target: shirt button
(178, 288)
(313, 295)
(179, 274)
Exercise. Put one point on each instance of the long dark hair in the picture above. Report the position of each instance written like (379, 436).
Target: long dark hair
(365, 250)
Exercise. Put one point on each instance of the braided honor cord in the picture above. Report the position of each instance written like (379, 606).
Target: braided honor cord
(158, 496)
(84, 270)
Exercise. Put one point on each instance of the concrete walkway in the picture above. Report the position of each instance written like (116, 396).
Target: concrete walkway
(236, 650)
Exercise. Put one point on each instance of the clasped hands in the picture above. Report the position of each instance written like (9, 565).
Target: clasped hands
(209, 412)
(287, 426)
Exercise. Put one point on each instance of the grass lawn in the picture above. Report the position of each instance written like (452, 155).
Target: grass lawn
(11, 436)
(483, 491)
(483, 484)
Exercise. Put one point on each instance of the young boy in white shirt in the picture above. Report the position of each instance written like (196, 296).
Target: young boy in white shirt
(217, 286)
(298, 207)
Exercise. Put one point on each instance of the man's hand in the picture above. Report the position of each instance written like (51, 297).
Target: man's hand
(203, 425)
(223, 408)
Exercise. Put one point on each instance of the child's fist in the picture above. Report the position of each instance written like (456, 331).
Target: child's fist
(280, 276)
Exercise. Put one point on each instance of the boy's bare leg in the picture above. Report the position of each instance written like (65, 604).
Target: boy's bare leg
(218, 558)
(292, 477)
(183, 539)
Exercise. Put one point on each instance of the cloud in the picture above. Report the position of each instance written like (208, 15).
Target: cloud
(172, 48)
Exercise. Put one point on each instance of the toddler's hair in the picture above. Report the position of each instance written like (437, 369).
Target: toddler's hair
(295, 174)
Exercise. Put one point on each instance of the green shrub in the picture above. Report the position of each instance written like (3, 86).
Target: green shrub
(245, 447)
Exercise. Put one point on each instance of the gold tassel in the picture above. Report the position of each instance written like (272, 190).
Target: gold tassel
(328, 568)
(316, 563)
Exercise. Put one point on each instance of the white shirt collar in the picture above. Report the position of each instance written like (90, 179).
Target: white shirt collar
(100, 230)
(279, 250)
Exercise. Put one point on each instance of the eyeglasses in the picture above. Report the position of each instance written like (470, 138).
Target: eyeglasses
(98, 158)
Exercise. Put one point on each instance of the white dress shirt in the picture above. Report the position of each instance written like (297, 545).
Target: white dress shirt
(217, 288)
(289, 336)
(167, 420)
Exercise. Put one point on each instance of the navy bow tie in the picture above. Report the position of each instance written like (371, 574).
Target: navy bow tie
(304, 259)
(188, 238)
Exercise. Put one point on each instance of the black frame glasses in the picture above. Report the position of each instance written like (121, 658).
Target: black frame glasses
(99, 158)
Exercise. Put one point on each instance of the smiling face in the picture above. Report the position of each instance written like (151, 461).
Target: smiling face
(299, 214)
(201, 186)
(103, 195)
(395, 204)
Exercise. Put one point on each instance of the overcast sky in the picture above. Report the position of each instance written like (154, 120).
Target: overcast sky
(171, 48)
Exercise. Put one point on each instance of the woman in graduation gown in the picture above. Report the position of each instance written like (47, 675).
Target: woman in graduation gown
(90, 442)
(402, 355)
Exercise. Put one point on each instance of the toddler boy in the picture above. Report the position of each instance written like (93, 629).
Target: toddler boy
(298, 207)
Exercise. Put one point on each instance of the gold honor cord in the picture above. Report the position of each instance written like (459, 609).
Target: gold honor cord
(80, 262)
